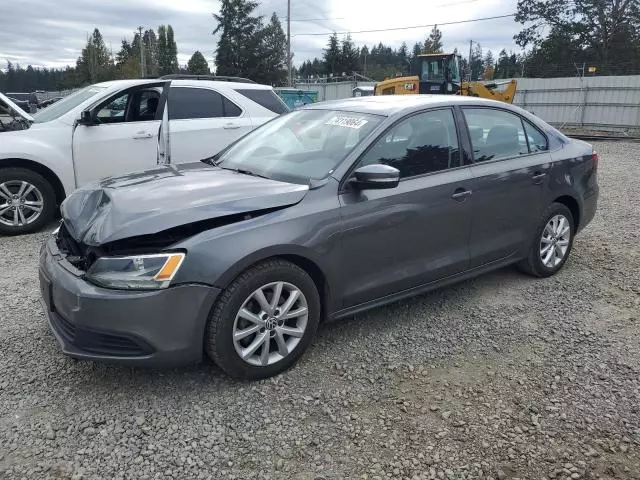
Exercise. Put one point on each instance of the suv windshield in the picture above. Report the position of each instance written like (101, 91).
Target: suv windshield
(67, 104)
(299, 146)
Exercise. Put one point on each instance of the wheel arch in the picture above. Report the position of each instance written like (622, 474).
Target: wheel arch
(572, 204)
(299, 256)
(40, 169)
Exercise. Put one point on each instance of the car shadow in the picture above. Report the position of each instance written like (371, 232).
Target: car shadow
(333, 339)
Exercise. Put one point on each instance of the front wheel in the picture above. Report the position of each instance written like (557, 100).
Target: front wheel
(264, 321)
(552, 242)
(27, 201)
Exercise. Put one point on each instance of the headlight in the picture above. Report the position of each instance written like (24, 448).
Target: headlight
(137, 272)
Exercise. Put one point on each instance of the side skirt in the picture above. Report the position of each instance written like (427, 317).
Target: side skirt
(412, 292)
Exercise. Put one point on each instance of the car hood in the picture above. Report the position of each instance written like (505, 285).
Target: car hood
(166, 197)
(16, 109)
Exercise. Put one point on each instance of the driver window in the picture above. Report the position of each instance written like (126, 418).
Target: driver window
(136, 106)
(114, 111)
(421, 144)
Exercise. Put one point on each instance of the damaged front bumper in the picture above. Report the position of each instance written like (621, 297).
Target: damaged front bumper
(152, 328)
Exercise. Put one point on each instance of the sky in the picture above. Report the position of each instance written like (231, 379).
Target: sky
(51, 33)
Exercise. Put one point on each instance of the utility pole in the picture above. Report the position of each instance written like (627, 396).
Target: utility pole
(143, 62)
(289, 42)
(470, 64)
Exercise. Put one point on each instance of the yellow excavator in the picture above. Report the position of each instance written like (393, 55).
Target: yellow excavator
(439, 73)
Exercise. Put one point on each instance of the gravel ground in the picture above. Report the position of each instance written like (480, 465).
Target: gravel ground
(500, 377)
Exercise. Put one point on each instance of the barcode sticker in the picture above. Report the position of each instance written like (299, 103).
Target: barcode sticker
(348, 122)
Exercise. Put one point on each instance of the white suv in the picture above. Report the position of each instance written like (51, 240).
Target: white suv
(114, 128)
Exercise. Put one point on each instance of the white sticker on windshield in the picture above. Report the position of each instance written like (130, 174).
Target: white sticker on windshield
(348, 122)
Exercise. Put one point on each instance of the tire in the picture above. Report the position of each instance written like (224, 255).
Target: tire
(534, 263)
(11, 180)
(225, 320)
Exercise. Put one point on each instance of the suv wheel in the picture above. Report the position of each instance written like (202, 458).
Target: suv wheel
(264, 321)
(552, 242)
(27, 201)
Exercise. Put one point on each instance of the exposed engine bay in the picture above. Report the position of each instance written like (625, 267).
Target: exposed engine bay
(9, 120)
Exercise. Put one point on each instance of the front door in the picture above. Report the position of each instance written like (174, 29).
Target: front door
(418, 232)
(512, 163)
(123, 137)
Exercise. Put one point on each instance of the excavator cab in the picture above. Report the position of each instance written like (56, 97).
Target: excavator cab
(439, 73)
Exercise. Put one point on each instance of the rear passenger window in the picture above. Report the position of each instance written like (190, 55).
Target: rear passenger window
(185, 103)
(495, 134)
(265, 98)
(537, 141)
(423, 143)
(230, 108)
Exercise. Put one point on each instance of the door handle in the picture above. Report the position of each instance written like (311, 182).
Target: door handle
(538, 176)
(231, 126)
(461, 194)
(141, 135)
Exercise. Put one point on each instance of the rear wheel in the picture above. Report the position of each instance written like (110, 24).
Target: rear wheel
(552, 242)
(27, 201)
(264, 321)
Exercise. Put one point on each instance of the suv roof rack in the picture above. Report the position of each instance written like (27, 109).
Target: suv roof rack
(216, 78)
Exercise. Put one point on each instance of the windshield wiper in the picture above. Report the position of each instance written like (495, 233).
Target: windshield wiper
(243, 171)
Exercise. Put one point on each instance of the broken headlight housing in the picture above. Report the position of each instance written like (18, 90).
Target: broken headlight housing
(135, 272)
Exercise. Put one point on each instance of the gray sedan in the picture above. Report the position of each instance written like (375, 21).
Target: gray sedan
(321, 213)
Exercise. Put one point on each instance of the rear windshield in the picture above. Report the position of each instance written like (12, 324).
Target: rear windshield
(265, 98)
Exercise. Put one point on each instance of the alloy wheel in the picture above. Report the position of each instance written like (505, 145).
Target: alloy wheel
(554, 243)
(270, 323)
(21, 203)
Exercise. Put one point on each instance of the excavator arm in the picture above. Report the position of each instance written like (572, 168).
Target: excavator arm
(490, 91)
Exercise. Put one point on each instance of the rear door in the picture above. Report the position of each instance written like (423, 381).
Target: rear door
(124, 136)
(511, 166)
(203, 121)
(418, 232)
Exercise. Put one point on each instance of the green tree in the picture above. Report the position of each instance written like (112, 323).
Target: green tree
(95, 63)
(166, 51)
(272, 54)
(332, 55)
(348, 58)
(433, 43)
(476, 63)
(236, 54)
(198, 64)
(606, 29)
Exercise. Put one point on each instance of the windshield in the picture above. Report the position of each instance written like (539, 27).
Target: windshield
(67, 104)
(300, 146)
(435, 70)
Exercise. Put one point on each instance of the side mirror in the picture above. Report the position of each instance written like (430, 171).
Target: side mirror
(86, 118)
(375, 177)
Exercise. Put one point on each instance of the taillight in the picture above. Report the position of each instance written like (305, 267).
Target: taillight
(595, 158)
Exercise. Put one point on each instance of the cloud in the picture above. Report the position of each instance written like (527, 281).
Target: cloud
(52, 33)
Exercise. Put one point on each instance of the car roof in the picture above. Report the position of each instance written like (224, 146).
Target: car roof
(185, 82)
(389, 105)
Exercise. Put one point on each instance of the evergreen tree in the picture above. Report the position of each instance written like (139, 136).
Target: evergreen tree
(332, 56)
(489, 66)
(239, 39)
(433, 43)
(172, 52)
(273, 54)
(476, 63)
(349, 54)
(95, 63)
(198, 64)
(166, 51)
